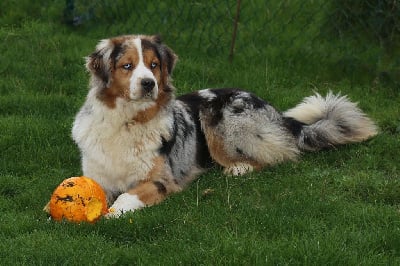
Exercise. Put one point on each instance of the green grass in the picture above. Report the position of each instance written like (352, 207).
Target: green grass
(336, 207)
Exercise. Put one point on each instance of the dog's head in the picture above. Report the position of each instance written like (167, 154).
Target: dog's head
(133, 67)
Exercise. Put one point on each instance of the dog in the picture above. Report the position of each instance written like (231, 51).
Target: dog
(141, 143)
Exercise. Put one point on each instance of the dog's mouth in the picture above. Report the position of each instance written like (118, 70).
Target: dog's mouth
(141, 95)
(149, 96)
(145, 97)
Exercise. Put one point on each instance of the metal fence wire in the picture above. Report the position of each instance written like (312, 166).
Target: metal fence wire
(341, 32)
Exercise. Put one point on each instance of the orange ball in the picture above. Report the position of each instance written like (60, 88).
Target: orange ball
(78, 199)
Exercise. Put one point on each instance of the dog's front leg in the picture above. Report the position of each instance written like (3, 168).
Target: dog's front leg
(147, 193)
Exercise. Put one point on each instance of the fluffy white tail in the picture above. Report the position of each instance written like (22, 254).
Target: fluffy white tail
(329, 121)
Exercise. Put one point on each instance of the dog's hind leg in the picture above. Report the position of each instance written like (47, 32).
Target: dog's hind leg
(249, 146)
(244, 133)
(235, 162)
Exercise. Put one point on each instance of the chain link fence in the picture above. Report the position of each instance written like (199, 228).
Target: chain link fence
(345, 34)
(198, 24)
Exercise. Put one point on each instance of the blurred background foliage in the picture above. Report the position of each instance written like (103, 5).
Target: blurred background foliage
(359, 40)
(328, 39)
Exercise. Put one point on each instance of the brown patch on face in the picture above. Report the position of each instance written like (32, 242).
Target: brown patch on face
(120, 77)
(219, 154)
(152, 62)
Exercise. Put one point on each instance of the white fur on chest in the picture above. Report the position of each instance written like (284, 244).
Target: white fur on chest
(116, 152)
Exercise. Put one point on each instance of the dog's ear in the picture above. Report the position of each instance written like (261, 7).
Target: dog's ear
(168, 61)
(171, 59)
(168, 56)
(99, 62)
(156, 38)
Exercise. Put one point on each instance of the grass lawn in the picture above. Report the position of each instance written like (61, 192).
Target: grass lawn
(335, 207)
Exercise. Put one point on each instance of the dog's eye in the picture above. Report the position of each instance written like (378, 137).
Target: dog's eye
(153, 65)
(127, 66)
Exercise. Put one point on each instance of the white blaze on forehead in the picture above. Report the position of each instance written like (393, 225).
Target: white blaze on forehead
(140, 72)
(138, 44)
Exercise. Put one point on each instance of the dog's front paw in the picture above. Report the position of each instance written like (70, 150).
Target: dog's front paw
(124, 203)
(238, 169)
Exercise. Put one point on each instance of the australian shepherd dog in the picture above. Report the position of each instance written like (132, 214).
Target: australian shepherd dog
(141, 143)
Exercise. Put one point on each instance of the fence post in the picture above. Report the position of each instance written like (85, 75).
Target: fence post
(235, 24)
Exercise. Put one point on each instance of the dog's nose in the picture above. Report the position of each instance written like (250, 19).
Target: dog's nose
(147, 84)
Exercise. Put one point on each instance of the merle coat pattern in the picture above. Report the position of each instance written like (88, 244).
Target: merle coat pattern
(141, 143)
